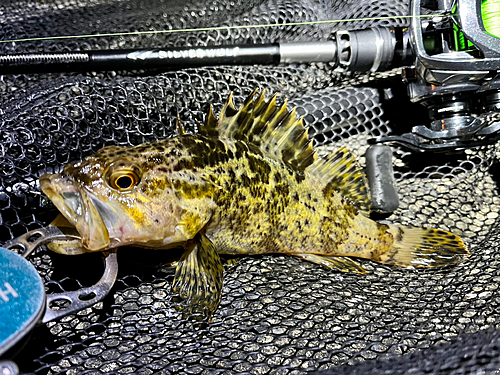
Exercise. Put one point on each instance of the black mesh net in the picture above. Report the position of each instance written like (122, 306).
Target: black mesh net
(278, 315)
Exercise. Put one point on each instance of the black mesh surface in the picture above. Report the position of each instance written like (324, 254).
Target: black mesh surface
(278, 315)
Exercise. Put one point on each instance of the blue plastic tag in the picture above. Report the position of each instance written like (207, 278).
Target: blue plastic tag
(22, 298)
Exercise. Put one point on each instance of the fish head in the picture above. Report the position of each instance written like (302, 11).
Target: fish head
(129, 196)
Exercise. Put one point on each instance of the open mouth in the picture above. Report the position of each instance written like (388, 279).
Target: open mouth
(73, 202)
(78, 209)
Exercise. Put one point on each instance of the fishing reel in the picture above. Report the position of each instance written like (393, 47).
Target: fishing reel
(450, 56)
(455, 74)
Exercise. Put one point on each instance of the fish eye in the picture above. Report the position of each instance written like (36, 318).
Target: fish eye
(122, 177)
(122, 180)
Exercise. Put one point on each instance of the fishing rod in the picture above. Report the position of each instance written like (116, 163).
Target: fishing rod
(374, 49)
(450, 57)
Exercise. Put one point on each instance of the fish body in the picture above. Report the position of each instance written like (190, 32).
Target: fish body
(267, 207)
(249, 183)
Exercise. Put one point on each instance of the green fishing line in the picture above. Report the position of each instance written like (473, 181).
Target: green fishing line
(461, 43)
(152, 32)
(490, 12)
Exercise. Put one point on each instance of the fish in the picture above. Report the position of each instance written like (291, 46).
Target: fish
(248, 182)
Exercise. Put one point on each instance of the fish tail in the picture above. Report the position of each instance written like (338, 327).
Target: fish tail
(423, 247)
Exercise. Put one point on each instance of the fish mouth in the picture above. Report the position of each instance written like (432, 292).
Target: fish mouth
(77, 207)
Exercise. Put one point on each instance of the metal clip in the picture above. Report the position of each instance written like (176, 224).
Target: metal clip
(80, 299)
(85, 297)
(29, 241)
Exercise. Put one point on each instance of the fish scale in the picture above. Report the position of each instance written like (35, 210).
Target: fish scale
(250, 182)
(278, 215)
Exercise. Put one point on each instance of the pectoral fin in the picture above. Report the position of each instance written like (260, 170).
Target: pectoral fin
(343, 264)
(197, 212)
(199, 276)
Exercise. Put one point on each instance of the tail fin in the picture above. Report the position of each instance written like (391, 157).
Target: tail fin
(422, 247)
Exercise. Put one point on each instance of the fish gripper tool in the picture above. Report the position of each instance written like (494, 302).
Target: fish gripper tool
(23, 301)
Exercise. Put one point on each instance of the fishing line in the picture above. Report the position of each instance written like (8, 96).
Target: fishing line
(154, 32)
(490, 15)
(490, 12)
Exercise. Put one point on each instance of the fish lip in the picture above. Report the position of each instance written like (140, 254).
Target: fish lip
(77, 208)
(56, 187)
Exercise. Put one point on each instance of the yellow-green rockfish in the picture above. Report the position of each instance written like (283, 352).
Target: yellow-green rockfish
(250, 182)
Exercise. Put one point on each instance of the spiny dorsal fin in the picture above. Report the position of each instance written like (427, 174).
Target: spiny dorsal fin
(179, 129)
(209, 128)
(276, 131)
(340, 172)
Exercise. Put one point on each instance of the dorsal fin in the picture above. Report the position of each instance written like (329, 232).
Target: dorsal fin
(340, 172)
(179, 129)
(276, 131)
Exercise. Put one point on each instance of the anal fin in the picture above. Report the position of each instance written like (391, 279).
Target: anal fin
(343, 264)
(199, 277)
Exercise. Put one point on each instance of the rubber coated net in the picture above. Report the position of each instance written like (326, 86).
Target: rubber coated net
(278, 315)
